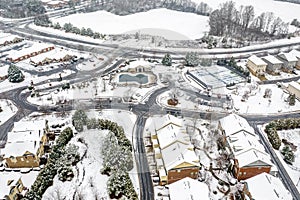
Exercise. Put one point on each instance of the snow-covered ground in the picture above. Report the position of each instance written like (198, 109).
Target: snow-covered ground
(294, 170)
(163, 22)
(98, 88)
(257, 104)
(8, 110)
(88, 180)
(6, 85)
(284, 10)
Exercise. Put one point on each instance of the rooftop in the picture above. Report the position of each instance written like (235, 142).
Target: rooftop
(233, 123)
(27, 180)
(271, 59)
(242, 141)
(295, 85)
(177, 154)
(267, 187)
(20, 148)
(295, 53)
(290, 57)
(253, 157)
(188, 189)
(170, 134)
(256, 60)
(33, 125)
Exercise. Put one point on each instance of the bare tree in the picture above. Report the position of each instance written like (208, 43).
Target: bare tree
(247, 16)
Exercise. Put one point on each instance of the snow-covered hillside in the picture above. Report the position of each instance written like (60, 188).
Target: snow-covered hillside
(162, 22)
(286, 11)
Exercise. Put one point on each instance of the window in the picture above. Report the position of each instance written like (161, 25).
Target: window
(192, 173)
(245, 173)
(178, 170)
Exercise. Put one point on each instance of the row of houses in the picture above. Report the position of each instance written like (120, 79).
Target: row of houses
(22, 156)
(251, 164)
(174, 154)
(274, 64)
(13, 41)
(178, 166)
(47, 61)
(30, 55)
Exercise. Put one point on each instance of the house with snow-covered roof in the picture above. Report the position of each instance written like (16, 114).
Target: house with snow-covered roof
(26, 143)
(173, 151)
(294, 88)
(11, 187)
(250, 163)
(256, 65)
(188, 189)
(244, 147)
(178, 161)
(297, 55)
(233, 124)
(274, 65)
(267, 187)
(289, 61)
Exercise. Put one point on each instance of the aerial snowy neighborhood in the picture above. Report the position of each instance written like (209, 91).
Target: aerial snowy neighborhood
(149, 99)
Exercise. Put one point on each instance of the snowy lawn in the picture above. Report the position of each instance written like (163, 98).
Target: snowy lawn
(257, 104)
(171, 24)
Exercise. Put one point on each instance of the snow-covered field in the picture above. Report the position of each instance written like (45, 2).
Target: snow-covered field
(164, 22)
(284, 10)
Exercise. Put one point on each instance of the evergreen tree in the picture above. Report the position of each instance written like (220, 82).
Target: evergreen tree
(191, 59)
(68, 27)
(15, 75)
(167, 60)
(288, 154)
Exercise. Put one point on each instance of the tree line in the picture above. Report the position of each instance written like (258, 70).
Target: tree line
(242, 23)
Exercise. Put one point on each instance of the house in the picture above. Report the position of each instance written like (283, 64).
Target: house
(25, 144)
(139, 68)
(233, 124)
(11, 187)
(256, 65)
(188, 189)
(273, 64)
(289, 61)
(177, 162)
(250, 163)
(173, 152)
(267, 187)
(294, 88)
(14, 185)
(56, 4)
(244, 147)
(297, 55)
